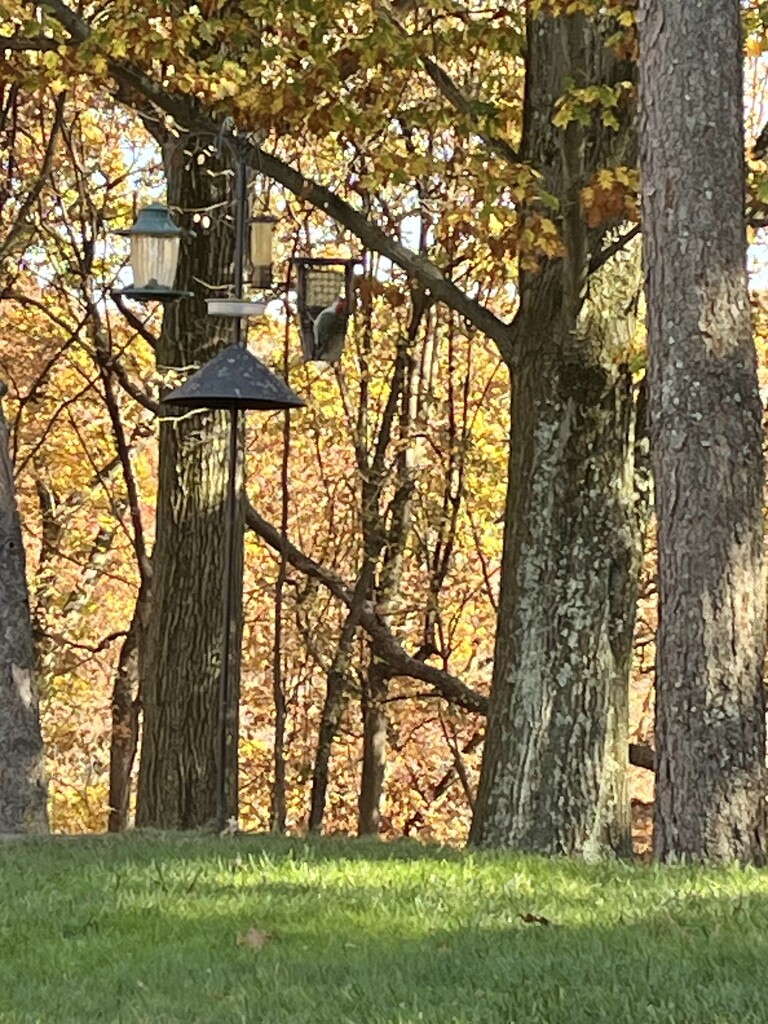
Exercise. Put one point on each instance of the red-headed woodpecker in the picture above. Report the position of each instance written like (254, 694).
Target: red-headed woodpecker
(330, 327)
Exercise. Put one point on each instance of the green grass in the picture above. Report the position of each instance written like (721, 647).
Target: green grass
(144, 929)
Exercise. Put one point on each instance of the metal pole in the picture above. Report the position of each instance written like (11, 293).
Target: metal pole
(241, 229)
(230, 627)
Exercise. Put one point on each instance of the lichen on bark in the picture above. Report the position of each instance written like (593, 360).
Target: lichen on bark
(23, 793)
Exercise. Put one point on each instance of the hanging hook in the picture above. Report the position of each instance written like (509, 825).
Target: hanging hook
(227, 127)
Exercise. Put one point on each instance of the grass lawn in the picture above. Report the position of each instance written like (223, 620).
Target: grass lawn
(145, 928)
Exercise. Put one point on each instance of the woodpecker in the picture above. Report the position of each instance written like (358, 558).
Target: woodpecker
(330, 327)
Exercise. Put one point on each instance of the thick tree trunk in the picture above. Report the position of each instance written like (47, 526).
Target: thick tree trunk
(180, 662)
(554, 765)
(553, 777)
(706, 437)
(23, 796)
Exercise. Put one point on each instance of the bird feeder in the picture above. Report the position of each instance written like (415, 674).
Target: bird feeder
(262, 230)
(234, 379)
(155, 241)
(320, 284)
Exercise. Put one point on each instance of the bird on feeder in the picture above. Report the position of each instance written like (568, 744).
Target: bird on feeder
(330, 328)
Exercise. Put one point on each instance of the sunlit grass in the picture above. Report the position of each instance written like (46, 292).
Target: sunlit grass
(145, 929)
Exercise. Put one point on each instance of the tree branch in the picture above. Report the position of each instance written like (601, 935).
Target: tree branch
(23, 43)
(599, 259)
(386, 646)
(642, 757)
(136, 323)
(451, 92)
(188, 116)
(8, 243)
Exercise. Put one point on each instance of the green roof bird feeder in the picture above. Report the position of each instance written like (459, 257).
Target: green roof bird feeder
(155, 241)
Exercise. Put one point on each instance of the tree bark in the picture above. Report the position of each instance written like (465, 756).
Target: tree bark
(335, 693)
(330, 721)
(23, 796)
(180, 662)
(394, 527)
(374, 748)
(706, 437)
(553, 777)
(126, 704)
(124, 735)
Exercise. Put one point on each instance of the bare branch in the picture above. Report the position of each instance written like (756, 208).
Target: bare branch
(599, 259)
(386, 646)
(8, 243)
(450, 91)
(136, 323)
(22, 43)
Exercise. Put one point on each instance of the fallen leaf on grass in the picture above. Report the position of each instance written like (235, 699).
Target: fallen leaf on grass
(255, 938)
(533, 919)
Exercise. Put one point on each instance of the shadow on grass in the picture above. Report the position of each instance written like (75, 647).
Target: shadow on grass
(146, 929)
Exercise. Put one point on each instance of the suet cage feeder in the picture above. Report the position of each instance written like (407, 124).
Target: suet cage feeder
(319, 283)
(155, 241)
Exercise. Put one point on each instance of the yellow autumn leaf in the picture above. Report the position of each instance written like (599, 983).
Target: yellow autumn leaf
(225, 87)
(754, 47)
(606, 178)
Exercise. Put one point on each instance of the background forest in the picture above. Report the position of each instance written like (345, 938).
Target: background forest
(369, 635)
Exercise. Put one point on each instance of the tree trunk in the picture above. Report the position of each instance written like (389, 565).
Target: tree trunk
(278, 797)
(374, 748)
(180, 663)
(554, 765)
(706, 437)
(124, 736)
(553, 777)
(336, 696)
(23, 796)
(404, 393)
(330, 721)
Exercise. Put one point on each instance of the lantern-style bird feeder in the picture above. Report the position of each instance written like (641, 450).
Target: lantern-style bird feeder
(155, 240)
(325, 300)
